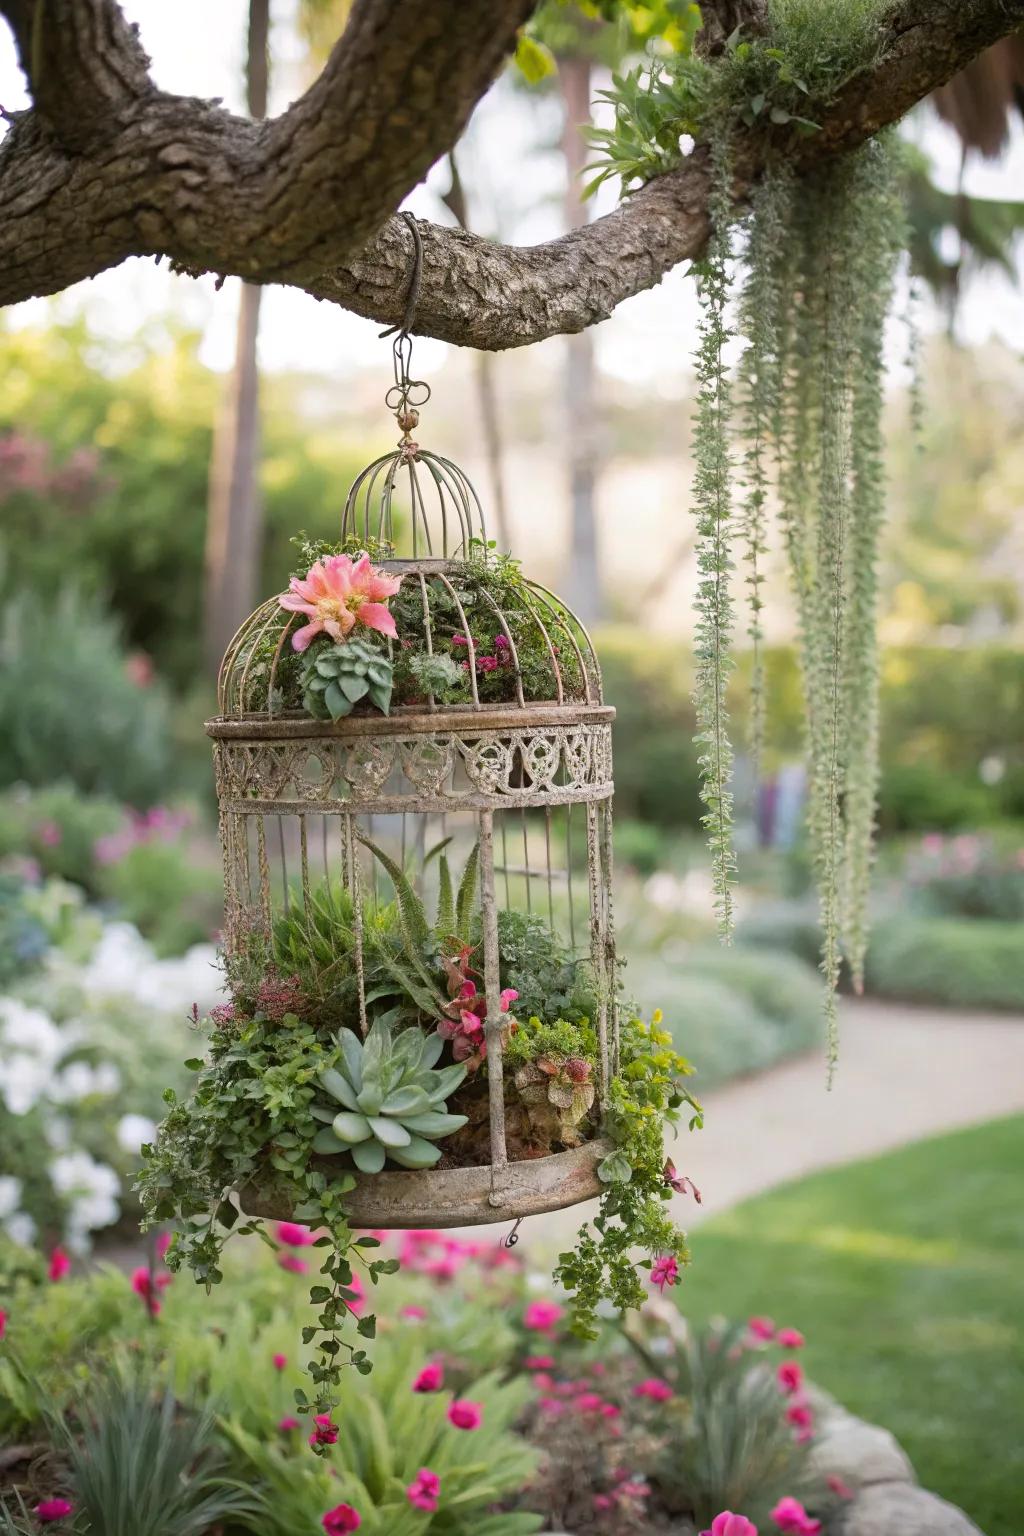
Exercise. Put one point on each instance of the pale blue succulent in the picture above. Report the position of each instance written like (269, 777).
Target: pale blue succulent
(387, 1099)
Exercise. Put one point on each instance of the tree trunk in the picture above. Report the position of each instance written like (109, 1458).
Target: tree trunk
(583, 583)
(234, 524)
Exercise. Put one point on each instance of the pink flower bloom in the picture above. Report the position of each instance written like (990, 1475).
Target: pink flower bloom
(293, 1235)
(728, 1524)
(791, 1517)
(414, 1314)
(657, 1390)
(52, 1509)
(790, 1377)
(3, 1323)
(762, 1328)
(163, 1242)
(464, 1414)
(326, 1433)
(839, 1488)
(338, 594)
(631, 1490)
(287, 1425)
(280, 1361)
(679, 1181)
(541, 1316)
(664, 1271)
(147, 1286)
(589, 1402)
(459, 640)
(341, 1519)
(539, 1362)
(49, 834)
(790, 1338)
(501, 643)
(487, 663)
(293, 1265)
(508, 996)
(603, 1502)
(610, 1411)
(59, 1264)
(425, 1491)
(430, 1379)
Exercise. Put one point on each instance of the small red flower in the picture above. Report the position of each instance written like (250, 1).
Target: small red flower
(430, 1379)
(424, 1493)
(280, 1361)
(59, 1266)
(762, 1328)
(464, 1414)
(51, 1510)
(341, 1519)
(325, 1432)
(665, 1271)
(657, 1390)
(790, 1377)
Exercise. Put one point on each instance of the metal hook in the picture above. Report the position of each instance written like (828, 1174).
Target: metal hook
(513, 1237)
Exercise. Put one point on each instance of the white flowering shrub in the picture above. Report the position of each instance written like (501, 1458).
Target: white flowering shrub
(93, 1027)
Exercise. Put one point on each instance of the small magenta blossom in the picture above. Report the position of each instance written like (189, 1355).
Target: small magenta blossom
(337, 594)
(293, 1264)
(325, 1433)
(341, 1519)
(148, 1286)
(790, 1377)
(680, 1182)
(59, 1265)
(792, 1519)
(790, 1338)
(51, 1510)
(280, 1361)
(761, 1328)
(653, 1387)
(541, 1316)
(539, 1362)
(287, 1424)
(413, 1314)
(3, 1323)
(728, 1524)
(665, 1271)
(430, 1379)
(425, 1491)
(464, 1414)
(292, 1235)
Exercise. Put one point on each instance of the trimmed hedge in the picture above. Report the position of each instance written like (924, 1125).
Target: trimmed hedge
(967, 962)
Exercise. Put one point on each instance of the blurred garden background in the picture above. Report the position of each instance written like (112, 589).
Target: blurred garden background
(163, 438)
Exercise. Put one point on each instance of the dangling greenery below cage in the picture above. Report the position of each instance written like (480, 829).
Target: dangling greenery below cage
(426, 1025)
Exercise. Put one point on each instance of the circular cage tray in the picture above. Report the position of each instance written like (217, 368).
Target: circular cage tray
(456, 1197)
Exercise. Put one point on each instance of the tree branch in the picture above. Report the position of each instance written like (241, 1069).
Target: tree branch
(107, 167)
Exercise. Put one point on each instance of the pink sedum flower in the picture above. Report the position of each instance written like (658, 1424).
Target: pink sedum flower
(341, 1519)
(657, 1390)
(541, 1316)
(728, 1524)
(59, 1265)
(790, 1338)
(425, 1491)
(792, 1519)
(665, 1271)
(51, 1510)
(464, 1414)
(430, 1379)
(338, 593)
(761, 1328)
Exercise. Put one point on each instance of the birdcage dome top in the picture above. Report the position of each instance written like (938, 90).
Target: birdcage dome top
(465, 630)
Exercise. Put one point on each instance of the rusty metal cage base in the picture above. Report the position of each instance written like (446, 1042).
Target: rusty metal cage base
(457, 1197)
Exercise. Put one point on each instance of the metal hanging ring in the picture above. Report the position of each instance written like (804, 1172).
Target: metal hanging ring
(513, 1237)
(409, 313)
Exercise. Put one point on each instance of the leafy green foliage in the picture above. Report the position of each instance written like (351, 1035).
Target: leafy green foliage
(964, 962)
(730, 1447)
(70, 709)
(552, 982)
(336, 677)
(141, 1465)
(647, 1093)
(386, 1100)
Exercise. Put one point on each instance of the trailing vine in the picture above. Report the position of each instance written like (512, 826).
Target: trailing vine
(820, 255)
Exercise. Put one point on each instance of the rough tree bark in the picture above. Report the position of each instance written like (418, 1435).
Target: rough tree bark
(105, 166)
(234, 515)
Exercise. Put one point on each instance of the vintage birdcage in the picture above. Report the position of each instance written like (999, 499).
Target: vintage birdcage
(511, 765)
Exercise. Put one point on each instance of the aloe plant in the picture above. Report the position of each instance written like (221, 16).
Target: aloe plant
(392, 1100)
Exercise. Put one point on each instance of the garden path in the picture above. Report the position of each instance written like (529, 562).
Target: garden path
(905, 1072)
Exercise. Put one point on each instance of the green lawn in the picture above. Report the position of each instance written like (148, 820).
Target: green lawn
(906, 1274)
